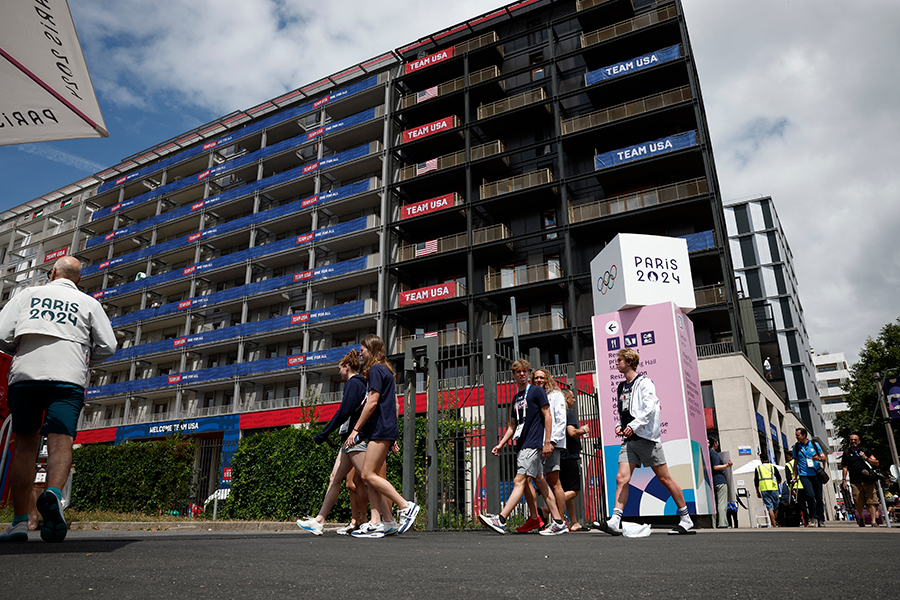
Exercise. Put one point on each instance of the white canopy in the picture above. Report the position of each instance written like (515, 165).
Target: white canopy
(45, 88)
(750, 467)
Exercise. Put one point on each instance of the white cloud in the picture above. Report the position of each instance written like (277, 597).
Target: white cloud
(58, 156)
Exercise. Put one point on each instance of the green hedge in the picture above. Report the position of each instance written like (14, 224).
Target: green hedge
(135, 476)
(282, 475)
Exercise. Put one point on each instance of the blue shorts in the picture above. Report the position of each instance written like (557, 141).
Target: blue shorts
(770, 499)
(51, 406)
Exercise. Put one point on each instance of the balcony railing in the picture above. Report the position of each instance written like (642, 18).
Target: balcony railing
(459, 83)
(482, 235)
(586, 4)
(514, 184)
(717, 349)
(486, 39)
(512, 103)
(445, 338)
(530, 324)
(639, 22)
(709, 295)
(637, 200)
(630, 109)
(454, 159)
(513, 277)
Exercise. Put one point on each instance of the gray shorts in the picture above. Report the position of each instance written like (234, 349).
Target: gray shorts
(551, 463)
(529, 462)
(642, 452)
(360, 446)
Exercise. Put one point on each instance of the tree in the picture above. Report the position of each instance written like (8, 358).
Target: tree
(881, 355)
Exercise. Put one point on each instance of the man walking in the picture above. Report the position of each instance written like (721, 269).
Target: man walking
(808, 454)
(530, 426)
(720, 482)
(859, 464)
(767, 480)
(639, 428)
(55, 333)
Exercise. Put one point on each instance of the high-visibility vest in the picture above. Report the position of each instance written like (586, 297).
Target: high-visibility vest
(792, 473)
(766, 477)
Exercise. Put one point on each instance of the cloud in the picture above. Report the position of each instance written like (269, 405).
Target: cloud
(58, 156)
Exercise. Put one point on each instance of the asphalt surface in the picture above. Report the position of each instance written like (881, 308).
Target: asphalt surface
(840, 561)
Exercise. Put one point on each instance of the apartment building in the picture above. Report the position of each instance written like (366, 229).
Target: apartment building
(423, 192)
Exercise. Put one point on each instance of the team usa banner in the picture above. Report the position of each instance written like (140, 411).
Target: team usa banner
(635, 64)
(646, 150)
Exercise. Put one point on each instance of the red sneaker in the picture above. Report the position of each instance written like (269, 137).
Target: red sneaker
(530, 525)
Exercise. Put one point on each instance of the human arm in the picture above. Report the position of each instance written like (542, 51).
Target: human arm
(368, 409)
(8, 319)
(844, 476)
(354, 392)
(558, 408)
(578, 431)
(547, 415)
(644, 406)
(510, 431)
(103, 338)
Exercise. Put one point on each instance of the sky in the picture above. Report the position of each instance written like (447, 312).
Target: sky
(802, 105)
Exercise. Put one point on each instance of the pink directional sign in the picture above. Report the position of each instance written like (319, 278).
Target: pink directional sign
(664, 337)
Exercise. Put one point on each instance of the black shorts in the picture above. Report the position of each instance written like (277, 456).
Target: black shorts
(570, 474)
(30, 400)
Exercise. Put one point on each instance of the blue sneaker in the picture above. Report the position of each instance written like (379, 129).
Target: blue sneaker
(408, 517)
(369, 530)
(493, 521)
(50, 507)
(15, 533)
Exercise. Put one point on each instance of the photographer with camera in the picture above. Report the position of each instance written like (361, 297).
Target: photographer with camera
(859, 463)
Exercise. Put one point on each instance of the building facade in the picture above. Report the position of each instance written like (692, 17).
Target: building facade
(424, 192)
(832, 373)
(764, 268)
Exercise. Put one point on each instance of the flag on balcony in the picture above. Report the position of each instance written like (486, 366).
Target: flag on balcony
(430, 334)
(37, 214)
(65, 203)
(425, 248)
(426, 167)
(424, 95)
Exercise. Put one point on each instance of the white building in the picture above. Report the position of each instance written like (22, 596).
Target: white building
(831, 374)
(764, 268)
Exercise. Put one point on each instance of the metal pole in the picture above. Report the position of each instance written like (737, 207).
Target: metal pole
(515, 325)
(491, 420)
(884, 510)
(891, 443)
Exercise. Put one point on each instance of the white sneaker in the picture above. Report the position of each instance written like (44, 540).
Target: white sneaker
(15, 533)
(369, 530)
(311, 525)
(346, 529)
(390, 527)
(554, 528)
(408, 516)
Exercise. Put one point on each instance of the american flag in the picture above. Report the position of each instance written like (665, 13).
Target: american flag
(425, 248)
(424, 95)
(426, 167)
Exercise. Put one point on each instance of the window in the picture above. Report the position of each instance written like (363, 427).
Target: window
(548, 221)
(513, 275)
(536, 71)
(554, 270)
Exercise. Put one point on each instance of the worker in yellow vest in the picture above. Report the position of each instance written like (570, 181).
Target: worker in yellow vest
(767, 480)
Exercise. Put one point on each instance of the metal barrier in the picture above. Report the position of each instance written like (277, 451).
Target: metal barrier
(457, 477)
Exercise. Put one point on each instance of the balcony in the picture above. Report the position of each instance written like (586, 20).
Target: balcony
(638, 200)
(709, 295)
(445, 338)
(630, 109)
(482, 235)
(512, 103)
(453, 159)
(449, 87)
(530, 324)
(514, 184)
(507, 278)
(586, 4)
(639, 22)
(717, 349)
(486, 39)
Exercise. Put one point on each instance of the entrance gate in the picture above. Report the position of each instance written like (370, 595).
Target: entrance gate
(466, 393)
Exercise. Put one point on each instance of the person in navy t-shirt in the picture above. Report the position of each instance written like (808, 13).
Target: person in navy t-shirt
(378, 427)
(530, 425)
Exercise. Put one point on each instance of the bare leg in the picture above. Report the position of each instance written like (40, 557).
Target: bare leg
(515, 495)
(59, 459)
(357, 508)
(570, 508)
(22, 471)
(558, 493)
(531, 500)
(668, 482)
(623, 478)
(549, 498)
(341, 467)
(375, 456)
(375, 502)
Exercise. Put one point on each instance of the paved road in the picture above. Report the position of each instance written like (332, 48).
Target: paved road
(837, 562)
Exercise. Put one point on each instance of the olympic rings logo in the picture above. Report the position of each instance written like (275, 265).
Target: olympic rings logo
(605, 283)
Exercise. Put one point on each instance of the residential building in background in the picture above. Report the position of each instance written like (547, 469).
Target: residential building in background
(832, 373)
(423, 192)
(764, 268)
